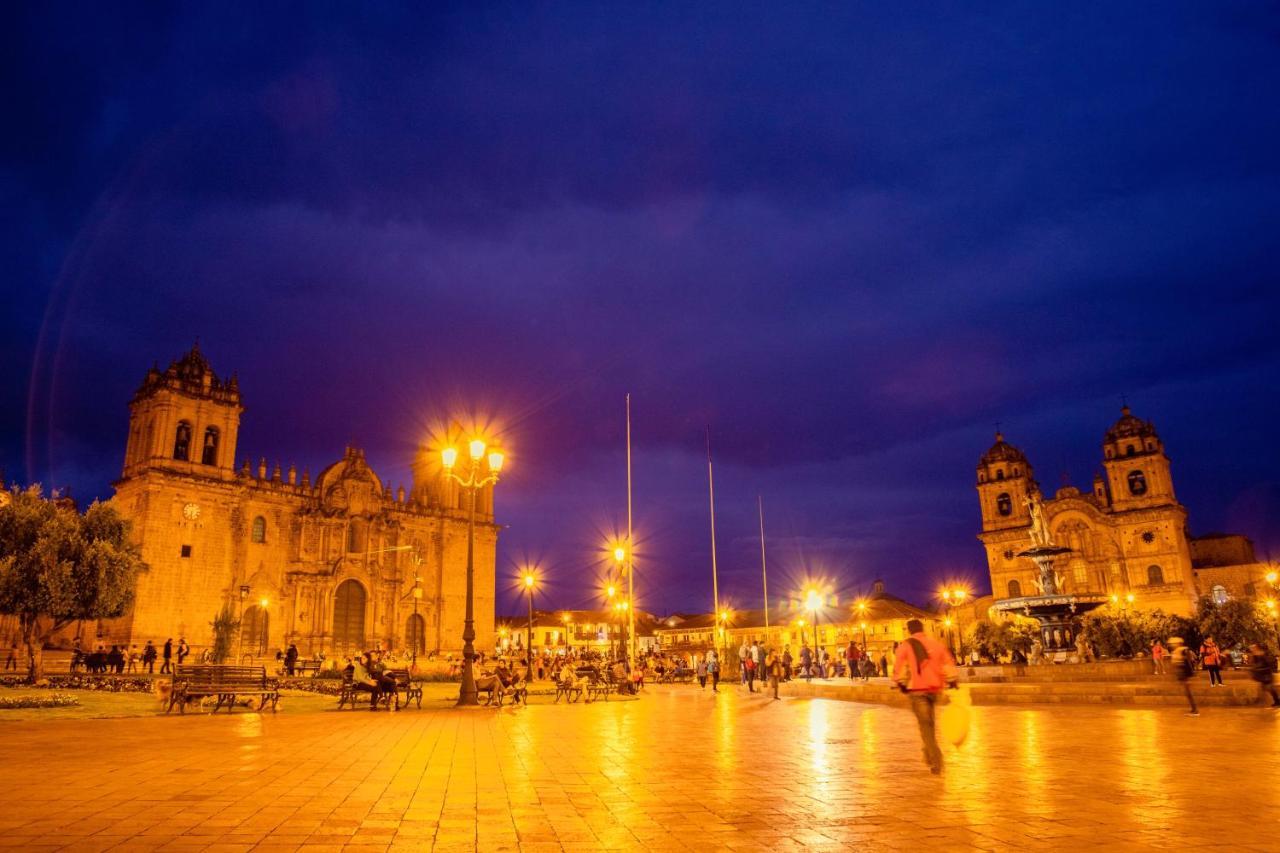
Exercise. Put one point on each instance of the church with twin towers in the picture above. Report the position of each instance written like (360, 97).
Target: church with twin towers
(333, 563)
(1129, 536)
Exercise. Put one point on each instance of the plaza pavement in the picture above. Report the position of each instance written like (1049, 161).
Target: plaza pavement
(677, 769)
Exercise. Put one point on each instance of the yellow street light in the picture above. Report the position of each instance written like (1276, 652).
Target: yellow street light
(264, 602)
(612, 590)
(472, 481)
(528, 580)
(1130, 598)
(619, 553)
(1273, 578)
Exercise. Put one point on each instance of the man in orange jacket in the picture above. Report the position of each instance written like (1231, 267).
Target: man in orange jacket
(922, 668)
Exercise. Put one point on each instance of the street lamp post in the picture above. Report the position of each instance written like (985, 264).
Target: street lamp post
(814, 601)
(866, 652)
(244, 594)
(528, 585)
(953, 597)
(1273, 581)
(474, 481)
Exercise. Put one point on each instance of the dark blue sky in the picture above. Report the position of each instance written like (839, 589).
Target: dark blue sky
(849, 239)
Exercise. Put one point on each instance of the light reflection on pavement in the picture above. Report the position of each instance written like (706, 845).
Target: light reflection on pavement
(679, 768)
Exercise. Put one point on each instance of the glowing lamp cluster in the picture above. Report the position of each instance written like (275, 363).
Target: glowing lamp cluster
(476, 448)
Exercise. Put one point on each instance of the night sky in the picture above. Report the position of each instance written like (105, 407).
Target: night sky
(848, 239)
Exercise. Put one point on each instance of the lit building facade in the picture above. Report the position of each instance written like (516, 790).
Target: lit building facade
(333, 564)
(1128, 535)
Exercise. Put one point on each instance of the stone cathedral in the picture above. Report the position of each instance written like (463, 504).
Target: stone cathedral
(334, 564)
(1128, 535)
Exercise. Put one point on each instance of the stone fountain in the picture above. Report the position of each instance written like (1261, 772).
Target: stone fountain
(1057, 610)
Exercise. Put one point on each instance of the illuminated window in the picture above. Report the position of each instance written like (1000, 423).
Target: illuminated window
(182, 441)
(1137, 483)
(1155, 575)
(1220, 594)
(1004, 504)
(259, 532)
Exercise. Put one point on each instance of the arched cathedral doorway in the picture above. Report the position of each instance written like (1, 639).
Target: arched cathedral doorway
(348, 617)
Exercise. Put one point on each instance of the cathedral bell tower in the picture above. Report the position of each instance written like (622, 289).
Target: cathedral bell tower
(1137, 470)
(1004, 482)
(184, 419)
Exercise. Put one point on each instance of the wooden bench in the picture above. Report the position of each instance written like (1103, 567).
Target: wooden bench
(604, 684)
(570, 688)
(677, 676)
(405, 684)
(302, 667)
(223, 682)
(490, 687)
(350, 693)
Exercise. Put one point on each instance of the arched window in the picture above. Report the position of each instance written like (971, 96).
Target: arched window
(209, 455)
(356, 534)
(1015, 589)
(259, 533)
(1129, 451)
(1004, 504)
(1137, 483)
(1000, 475)
(1219, 594)
(255, 631)
(182, 441)
(348, 617)
(415, 634)
(1155, 576)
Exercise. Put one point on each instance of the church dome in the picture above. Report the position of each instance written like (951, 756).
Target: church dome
(1002, 451)
(1130, 426)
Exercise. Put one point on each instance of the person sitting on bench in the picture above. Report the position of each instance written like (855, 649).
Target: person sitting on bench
(362, 679)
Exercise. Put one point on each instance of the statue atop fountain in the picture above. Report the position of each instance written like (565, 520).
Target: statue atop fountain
(1057, 611)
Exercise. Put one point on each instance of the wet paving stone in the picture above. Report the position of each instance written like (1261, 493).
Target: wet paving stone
(678, 769)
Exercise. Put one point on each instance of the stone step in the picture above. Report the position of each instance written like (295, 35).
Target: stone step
(1162, 692)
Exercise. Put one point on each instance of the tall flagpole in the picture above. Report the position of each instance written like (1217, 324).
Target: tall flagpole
(715, 583)
(631, 566)
(764, 569)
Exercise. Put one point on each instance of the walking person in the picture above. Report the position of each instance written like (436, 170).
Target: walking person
(149, 657)
(167, 656)
(1158, 654)
(787, 661)
(923, 667)
(290, 659)
(1262, 666)
(133, 658)
(806, 661)
(851, 659)
(713, 670)
(183, 650)
(1211, 657)
(702, 673)
(1184, 668)
(11, 662)
(743, 652)
(773, 668)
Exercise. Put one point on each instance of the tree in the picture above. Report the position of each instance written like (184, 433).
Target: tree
(1237, 622)
(224, 625)
(58, 566)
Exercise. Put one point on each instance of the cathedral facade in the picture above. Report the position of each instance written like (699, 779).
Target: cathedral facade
(334, 564)
(1128, 535)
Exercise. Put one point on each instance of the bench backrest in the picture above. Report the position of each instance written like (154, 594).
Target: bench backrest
(215, 675)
